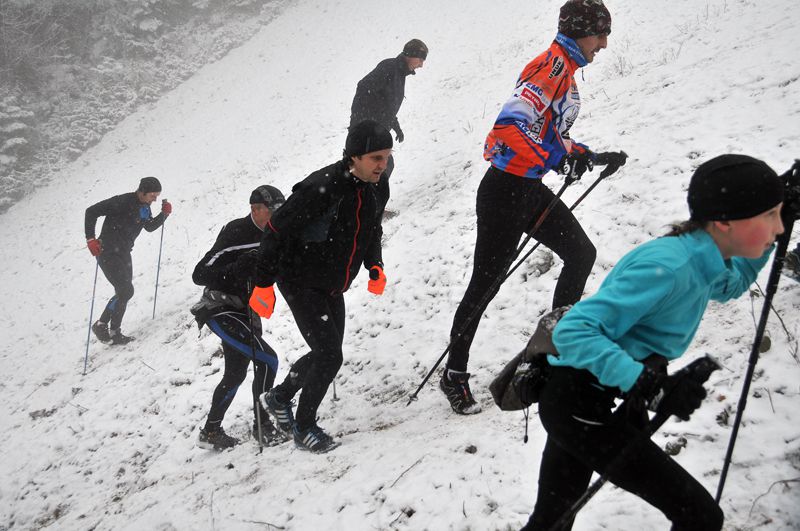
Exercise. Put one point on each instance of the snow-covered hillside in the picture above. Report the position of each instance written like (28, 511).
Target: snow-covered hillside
(680, 82)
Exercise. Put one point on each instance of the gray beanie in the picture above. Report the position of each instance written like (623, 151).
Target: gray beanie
(149, 184)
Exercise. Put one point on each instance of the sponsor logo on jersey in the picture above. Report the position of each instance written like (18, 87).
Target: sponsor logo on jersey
(535, 89)
(558, 67)
(573, 92)
(529, 94)
(535, 128)
(530, 134)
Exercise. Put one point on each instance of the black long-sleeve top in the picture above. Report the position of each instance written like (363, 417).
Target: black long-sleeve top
(125, 217)
(230, 262)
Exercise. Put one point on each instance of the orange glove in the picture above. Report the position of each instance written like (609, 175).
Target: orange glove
(262, 301)
(377, 280)
(95, 247)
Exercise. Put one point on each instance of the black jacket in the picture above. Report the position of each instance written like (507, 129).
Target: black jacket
(327, 228)
(231, 261)
(125, 219)
(380, 93)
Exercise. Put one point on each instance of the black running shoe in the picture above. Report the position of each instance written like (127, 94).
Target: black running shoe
(118, 338)
(282, 413)
(455, 386)
(314, 440)
(270, 435)
(100, 331)
(216, 439)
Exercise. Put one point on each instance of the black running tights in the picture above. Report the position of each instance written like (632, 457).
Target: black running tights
(118, 269)
(320, 318)
(235, 372)
(508, 206)
(584, 436)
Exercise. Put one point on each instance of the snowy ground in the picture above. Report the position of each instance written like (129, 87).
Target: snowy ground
(115, 449)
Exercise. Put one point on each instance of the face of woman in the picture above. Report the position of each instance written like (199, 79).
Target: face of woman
(752, 236)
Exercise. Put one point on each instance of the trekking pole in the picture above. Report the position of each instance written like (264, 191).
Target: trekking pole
(253, 351)
(699, 370)
(158, 267)
(791, 210)
(611, 167)
(609, 170)
(494, 288)
(91, 313)
(772, 287)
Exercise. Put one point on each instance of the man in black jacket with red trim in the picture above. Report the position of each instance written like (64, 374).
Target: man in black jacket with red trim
(126, 215)
(314, 247)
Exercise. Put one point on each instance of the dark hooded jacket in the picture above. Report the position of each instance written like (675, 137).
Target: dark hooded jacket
(325, 231)
(380, 93)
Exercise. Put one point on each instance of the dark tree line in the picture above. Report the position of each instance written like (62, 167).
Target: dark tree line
(70, 70)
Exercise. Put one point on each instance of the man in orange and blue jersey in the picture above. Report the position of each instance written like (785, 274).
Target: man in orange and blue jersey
(530, 137)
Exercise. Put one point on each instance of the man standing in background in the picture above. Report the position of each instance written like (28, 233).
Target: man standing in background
(380, 93)
(379, 96)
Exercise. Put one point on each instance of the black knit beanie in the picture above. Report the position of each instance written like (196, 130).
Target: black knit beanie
(730, 187)
(267, 195)
(149, 184)
(582, 18)
(366, 137)
(416, 48)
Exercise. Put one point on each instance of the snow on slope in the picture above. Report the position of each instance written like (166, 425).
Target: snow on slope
(114, 449)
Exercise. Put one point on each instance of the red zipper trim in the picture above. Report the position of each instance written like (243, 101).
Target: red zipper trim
(355, 240)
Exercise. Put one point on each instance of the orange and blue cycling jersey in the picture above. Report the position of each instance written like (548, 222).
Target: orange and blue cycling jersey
(531, 133)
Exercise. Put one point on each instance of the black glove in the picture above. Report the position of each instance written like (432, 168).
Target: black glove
(399, 136)
(574, 165)
(530, 377)
(245, 265)
(611, 158)
(678, 394)
(791, 192)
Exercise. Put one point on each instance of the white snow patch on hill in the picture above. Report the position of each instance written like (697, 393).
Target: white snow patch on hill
(115, 449)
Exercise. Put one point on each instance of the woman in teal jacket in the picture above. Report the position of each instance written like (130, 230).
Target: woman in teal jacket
(616, 343)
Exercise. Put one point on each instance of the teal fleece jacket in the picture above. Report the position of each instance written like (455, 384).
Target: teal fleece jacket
(652, 301)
